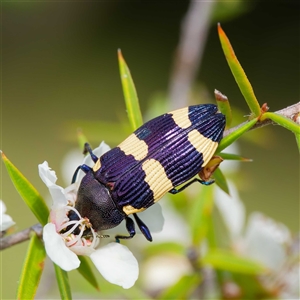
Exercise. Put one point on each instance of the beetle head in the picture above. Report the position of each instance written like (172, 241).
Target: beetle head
(95, 203)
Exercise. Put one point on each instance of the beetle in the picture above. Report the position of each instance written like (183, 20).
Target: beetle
(162, 154)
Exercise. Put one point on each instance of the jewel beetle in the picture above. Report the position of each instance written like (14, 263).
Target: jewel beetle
(162, 154)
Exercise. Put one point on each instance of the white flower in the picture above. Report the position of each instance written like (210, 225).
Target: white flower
(263, 240)
(6, 221)
(114, 261)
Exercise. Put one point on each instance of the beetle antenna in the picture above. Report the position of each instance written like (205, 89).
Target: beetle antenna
(88, 149)
(103, 236)
(83, 168)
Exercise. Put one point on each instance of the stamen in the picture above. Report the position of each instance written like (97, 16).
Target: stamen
(72, 239)
(76, 224)
(75, 210)
(75, 239)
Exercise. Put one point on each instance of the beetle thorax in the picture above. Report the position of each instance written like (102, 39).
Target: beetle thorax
(95, 203)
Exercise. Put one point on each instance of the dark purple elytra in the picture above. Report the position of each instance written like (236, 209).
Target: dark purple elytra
(165, 152)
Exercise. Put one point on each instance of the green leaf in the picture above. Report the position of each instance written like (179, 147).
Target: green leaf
(221, 181)
(199, 214)
(297, 136)
(32, 269)
(63, 283)
(283, 121)
(82, 139)
(130, 95)
(28, 193)
(239, 74)
(224, 107)
(86, 271)
(229, 156)
(252, 287)
(183, 288)
(233, 136)
(229, 261)
(167, 247)
(97, 130)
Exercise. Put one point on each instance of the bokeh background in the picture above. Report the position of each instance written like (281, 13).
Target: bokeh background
(60, 72)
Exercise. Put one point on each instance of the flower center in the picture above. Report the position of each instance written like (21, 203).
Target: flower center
(78, 231)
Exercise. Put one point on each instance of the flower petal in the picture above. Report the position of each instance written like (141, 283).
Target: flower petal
(2, 207)
(57, 250)
(49, 178)
(58, 216)
(174, 228)
(47, 175)
(58, 196)
(265, 240)
(83, 250)
(6, 220)
(164, 270)
(153, 218)
(117, 264)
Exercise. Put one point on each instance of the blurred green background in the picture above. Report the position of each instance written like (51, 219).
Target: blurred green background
(59, 68)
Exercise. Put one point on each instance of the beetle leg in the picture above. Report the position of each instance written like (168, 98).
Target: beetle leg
(143, 228)
(88, 149)
(84, 168)
(176, 191)
(130, 229)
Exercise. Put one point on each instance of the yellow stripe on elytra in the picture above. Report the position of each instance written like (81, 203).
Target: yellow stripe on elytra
(128, 209)
(203, 145)
(97, 165)
(157, 178)
(181, 118)
(134, 146)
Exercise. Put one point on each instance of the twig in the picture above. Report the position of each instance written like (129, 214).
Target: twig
(288, 112)
(21, 236)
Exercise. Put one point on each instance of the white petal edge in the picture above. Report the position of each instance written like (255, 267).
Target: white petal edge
(153, 217)
(48, 176)
(6, 222)
(2, 207)
(57, 250)
(83, 250)
(265, 240)
(117, 264)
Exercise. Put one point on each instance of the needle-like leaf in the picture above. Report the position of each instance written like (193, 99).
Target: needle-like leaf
(239, 74)
(130, 94)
